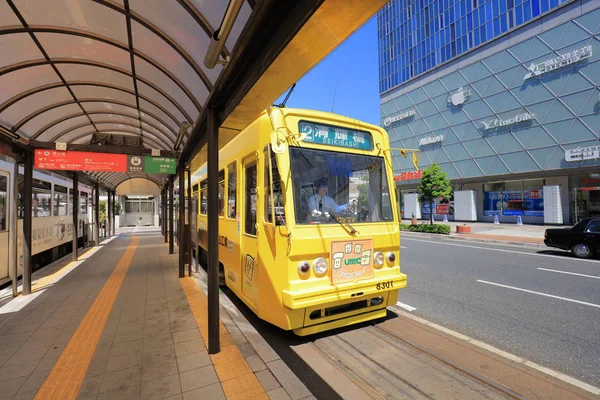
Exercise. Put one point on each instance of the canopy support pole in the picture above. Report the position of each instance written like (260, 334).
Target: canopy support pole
(213, 232)
(27, 211)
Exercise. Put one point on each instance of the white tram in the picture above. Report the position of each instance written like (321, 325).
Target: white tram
(52, 222)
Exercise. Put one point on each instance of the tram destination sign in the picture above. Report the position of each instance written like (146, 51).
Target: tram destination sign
(102, 162)
(335, 136)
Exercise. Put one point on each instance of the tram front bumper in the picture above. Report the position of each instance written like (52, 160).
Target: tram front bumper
(351, 291)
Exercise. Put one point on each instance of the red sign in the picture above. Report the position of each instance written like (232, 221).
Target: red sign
(534, 194)
(442, 209)
(80, 161)
(409, 176)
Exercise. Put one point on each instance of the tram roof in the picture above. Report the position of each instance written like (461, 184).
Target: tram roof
(72, 69)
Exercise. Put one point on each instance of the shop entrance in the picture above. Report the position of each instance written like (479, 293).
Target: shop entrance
(585, 202)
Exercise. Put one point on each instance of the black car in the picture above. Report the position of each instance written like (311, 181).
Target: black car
(583, 239)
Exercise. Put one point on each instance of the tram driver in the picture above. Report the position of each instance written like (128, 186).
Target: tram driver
(320, 202)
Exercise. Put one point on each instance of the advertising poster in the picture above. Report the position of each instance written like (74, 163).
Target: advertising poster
(512, 203)
(351, 260)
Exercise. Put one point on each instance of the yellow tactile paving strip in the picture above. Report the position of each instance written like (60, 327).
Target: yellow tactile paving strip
(237, 379)
(68, 373)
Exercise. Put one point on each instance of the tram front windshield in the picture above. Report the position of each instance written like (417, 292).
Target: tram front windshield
(333, 187)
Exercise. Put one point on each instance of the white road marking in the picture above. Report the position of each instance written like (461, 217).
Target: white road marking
(541, 294)
(569, 273)
(503, 250)
(406, 306)
(402, 247)
(558, 375)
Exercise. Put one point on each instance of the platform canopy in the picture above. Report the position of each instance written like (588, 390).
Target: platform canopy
(76, 71)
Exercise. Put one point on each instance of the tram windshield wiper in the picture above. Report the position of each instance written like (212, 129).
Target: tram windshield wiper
(337, 218)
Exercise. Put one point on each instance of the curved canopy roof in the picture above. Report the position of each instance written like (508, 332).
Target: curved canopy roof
(70, 69)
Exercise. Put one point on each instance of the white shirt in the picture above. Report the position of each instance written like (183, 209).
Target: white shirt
(328, 204)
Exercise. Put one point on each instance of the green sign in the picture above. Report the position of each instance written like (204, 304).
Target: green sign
(336, 136)
(160, 165)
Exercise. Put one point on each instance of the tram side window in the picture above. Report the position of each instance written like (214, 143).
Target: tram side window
(221, 193)
(70, 201)
(203, 197)
(3, 197)
(42, 198)
(276, 199)
(250, 209)
(83, 203)
(60, 200)
(231, 189)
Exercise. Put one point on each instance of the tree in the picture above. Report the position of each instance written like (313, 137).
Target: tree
(434, 184)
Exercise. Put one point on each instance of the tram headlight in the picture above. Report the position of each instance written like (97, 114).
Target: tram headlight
(303, 267)
(320, 266)
(391, 257)
(379, 259)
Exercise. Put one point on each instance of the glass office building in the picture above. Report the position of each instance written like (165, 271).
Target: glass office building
(503, 95)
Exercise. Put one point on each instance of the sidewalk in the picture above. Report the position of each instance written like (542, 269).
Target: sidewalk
(489, 232)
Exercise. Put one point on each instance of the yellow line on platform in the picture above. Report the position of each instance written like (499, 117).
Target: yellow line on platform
(68, 373)
(236, 376)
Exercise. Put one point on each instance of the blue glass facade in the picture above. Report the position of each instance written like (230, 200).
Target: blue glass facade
(416, 35)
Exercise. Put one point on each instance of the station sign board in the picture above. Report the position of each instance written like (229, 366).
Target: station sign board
(335, 136)
(102, 162)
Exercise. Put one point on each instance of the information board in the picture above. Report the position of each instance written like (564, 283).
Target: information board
(102, 162)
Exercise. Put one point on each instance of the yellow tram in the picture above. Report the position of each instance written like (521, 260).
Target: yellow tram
(308, 224)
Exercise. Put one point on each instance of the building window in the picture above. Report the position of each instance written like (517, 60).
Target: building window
(514, 198)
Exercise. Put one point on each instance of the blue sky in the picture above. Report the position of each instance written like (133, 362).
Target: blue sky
(354, 66)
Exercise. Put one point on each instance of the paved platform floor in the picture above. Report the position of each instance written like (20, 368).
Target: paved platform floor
(122, 325)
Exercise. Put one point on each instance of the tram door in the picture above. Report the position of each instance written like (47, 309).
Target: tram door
(4, 196)
(250, 267)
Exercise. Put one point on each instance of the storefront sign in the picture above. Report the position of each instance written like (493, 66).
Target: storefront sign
(498, 123)
(102, 162)
(390, 120)
(408, 176)
(559, 62)
(582, 153)
(336, 136)
(459, 97)
(431, 140)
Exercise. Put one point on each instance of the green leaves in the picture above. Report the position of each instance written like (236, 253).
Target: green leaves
(424, 228)
(434, 184)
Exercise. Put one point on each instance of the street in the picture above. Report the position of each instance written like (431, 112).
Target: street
(538, 304)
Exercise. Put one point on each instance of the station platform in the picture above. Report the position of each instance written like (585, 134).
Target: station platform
(121, 324)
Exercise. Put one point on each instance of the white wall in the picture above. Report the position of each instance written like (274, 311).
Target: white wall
(563, 182)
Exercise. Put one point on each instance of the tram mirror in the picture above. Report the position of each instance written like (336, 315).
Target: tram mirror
(278, 141)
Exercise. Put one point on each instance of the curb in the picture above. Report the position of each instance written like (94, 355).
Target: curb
(457, 237)
(261, 358)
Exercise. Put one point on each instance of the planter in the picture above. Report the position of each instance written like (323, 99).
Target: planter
(414, 221)
(463, 229)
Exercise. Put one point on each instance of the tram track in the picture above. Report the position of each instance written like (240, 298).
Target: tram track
(367, 368)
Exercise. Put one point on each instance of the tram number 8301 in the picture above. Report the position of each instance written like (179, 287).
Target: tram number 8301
(384, 285)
